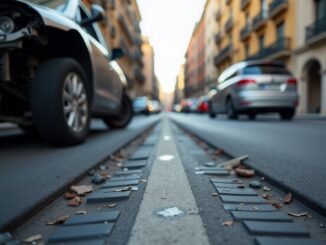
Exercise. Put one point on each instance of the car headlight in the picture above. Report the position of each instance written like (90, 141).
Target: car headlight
(7, 25)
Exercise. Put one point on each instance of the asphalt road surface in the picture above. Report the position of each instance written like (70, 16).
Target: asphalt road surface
(31, 171)
(292, 153)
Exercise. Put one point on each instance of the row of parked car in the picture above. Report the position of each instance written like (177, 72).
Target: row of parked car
(143, 105)
(249, 88)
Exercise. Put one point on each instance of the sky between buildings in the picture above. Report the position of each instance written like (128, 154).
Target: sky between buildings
(169, 25)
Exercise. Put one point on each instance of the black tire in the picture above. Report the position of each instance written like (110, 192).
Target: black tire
(124, 117)
(287, 115)
(29, 130)
(252, 116)
(230, 111)
(48, 103)
(210, 111)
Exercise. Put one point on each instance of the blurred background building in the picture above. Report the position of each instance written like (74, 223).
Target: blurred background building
(293, 31)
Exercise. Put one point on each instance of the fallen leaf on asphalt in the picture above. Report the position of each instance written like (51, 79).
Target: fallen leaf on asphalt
(267, 196)
(69, 196)
(58, 221)
(119, 164)
(75, 202)
(288, 198)
(219, 152)
(81, 189)
(255, 208)
(276, 205)
(248, 173)
(298, 214)
(214, 194)
(144, 180)
(33, 238)
(112, 205)
(266, 188)
(228, 223)
(81, 212)
(241, 186)
(234, 162)
(127, 188)
(105, 174)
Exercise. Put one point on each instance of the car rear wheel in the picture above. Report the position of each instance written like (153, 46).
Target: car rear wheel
(252, 116)
(287, 115)
(124, 117)
(231, 113)
(61, 102)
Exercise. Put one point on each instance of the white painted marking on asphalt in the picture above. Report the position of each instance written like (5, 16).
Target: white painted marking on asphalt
(166, 137)
(166, 158)
(168, 186)
(170, 212)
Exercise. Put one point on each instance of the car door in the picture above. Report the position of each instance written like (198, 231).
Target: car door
(107, 84)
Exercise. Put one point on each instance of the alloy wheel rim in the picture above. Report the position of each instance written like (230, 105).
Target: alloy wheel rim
(75, 105)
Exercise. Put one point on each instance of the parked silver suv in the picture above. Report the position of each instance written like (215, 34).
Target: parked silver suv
(56, 70)
(254, 87)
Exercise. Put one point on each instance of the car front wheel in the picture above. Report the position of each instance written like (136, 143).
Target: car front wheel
(231, 112)
(61, 102)
(287, 115)
(211, 113)
(124, 116)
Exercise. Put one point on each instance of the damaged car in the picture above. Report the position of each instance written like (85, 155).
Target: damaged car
(57, 71)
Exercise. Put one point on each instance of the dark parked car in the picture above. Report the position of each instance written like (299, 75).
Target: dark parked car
(202, 104)
(255, 87)
(141, 105)
(57, 71)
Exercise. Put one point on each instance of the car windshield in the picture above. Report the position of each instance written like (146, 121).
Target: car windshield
(265, 69)
(54, 4)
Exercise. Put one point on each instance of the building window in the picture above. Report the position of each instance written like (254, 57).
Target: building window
(261, 42)
(320, 9)
(246, 50)
(263, 8)
(280, 31)
(247, 20)
(230, 38)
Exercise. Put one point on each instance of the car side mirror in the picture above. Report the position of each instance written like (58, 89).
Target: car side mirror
(98, 14)
(116, 53)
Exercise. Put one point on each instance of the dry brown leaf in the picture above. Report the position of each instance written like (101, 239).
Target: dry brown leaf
(32, 239)
(69, 196)
(81, 212)
(219, 152)
(277, 205)
(75, 202)
(228, 223)
(58, 221)
(234, 162)
(248, 173)
(81, 189)
(214, 194)
(288, 198)
(298, 214)
(127, 188)
(267, 196)
(105, 174)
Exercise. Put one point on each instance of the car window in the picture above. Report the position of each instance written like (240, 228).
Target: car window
(265, 69)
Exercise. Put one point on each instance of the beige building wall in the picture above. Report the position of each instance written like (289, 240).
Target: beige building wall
(148, 69)
(211, 49)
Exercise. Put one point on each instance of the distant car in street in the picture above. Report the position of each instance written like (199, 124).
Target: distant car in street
(57, 70)
(254, 87)
(154, 106)
(141, 105)
(202, 104)
(190, 105)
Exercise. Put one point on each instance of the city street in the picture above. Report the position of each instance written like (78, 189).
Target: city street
(291, 153)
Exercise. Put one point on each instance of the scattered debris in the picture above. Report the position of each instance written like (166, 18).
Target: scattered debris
(103, 167)
(81, 212)
(69, 196)
(98, 179)
(170, 212)
(112, 205)
(144, 180)
(81, 190)
(228, 223)
(298, 214)
(219, 152)
(75, 202)
(234, 162)
(266, 188)
(58, 221)
(119, 164)
(214, 194)
(288, 198)
(255, 208)
(33, 239)
(91, 172)
(277, 205)
(248, 173)
(210, 164)
(255, 184)
(241, 186)
(122, 189)
(267, 196)
(163, 198)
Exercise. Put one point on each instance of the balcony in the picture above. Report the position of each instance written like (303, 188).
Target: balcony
(227, 2)
(229, 24)
(137, 40)
(277, 7)
(259, 21)
(218, 15)
(316, 31)
(125, 26)
(245, 33)
(139, 76)
(218, 38)
(244, 4)
(223, 55)
(125, 49)
(277, 50)
(138, 56)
